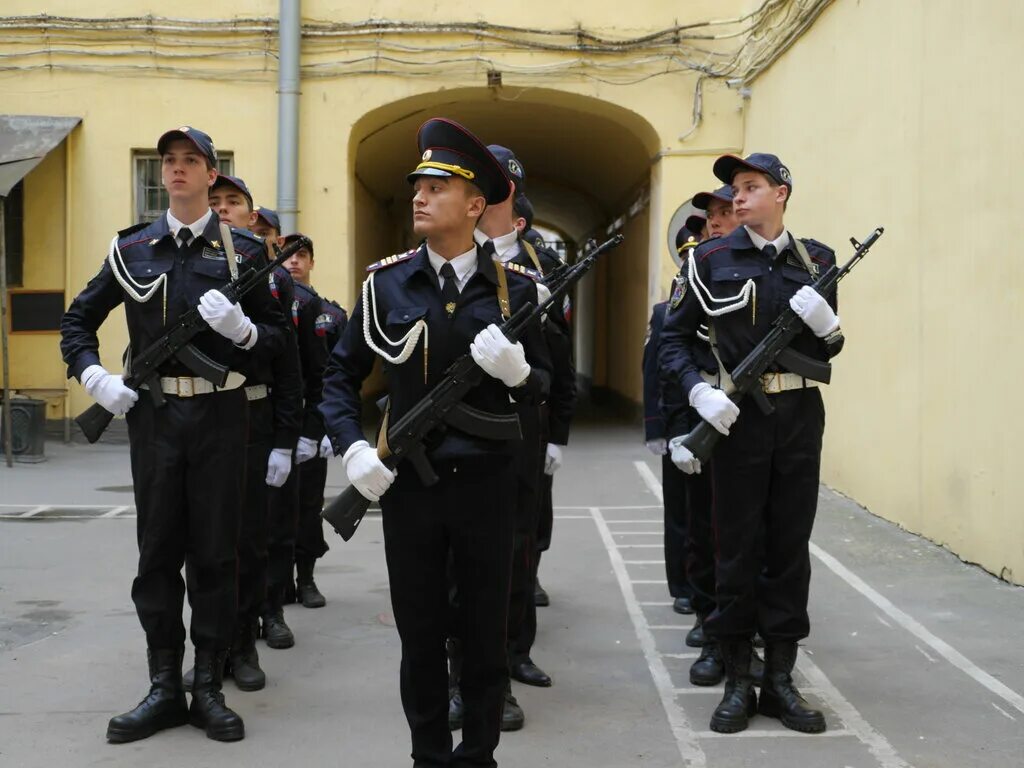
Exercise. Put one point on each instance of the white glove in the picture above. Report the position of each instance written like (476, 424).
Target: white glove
(682, 457)
(326, 448)
(657, 446)
(366, 471)
(553, 459)
(816, 313)
(306, 449)
(499, 357)
(279, 466)
(227, 319)
(714, 406)
(108, 390)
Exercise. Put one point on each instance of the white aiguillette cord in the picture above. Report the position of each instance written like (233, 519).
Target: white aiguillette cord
(141, 293)
(410, 339)
(229, 249)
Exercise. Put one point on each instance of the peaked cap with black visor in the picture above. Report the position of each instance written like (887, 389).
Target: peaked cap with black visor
(448, 149)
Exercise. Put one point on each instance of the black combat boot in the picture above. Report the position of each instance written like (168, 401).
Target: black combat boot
(275, 631)
(455, 706)
(756, 668)
(708, 668)
(208, 710)
(164, 707)
(244, 662)
(305, 589)
(540, 596)
(739, 703)
(696, 638)
(779, 697)
(512, 716)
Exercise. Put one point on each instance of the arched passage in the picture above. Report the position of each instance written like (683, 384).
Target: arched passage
(588, 166)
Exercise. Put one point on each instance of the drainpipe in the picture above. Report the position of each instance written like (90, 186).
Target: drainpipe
(289, 45)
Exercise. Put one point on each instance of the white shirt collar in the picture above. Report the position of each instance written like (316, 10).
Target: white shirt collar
(197, 227)
(506, 247)
(781, 242)
(464, 264)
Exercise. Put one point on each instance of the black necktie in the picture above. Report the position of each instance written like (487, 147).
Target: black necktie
(487, 249)
(770, 252)
(185, 236)
(449, 291)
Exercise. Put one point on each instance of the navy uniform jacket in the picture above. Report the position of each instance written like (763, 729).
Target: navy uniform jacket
(331, 322)
(408, 290)
(305, 314)
(149, 250)
(281, 373)
(723, 266)
(562, 398)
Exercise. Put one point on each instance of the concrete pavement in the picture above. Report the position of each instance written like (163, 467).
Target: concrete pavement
(912, 655)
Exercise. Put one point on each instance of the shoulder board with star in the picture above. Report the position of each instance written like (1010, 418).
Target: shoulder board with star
(247, 243)
(519, 269)
(390, 261)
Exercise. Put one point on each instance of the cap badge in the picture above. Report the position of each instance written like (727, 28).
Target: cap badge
(427, 154)
(784, 174)
(515, 169)
(184, 129)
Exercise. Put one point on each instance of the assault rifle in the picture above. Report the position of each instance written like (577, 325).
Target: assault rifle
(746, 377)
(176, 342)
(443, 404)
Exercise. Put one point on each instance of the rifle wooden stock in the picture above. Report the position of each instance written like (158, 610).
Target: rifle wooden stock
(746, 376)
(405, 437)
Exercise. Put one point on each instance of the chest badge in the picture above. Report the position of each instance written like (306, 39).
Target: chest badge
(450, 308)
(678, 291)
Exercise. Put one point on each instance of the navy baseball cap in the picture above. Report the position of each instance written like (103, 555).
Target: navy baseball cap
(703, 199)
(296, 236)
(202, 142)
(728, 166)
(534, 237)
(269, 216)
(510, 163)
(696, 224)
(223, 180)
(523, 207)
(448, 149)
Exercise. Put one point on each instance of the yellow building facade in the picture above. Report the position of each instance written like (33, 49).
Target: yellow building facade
(617, 114)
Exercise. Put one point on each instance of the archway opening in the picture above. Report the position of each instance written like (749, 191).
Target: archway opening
(587, 165)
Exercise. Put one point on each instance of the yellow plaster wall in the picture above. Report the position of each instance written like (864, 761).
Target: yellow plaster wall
(884, 117)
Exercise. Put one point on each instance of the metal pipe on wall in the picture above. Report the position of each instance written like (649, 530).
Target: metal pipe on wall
(289, 49)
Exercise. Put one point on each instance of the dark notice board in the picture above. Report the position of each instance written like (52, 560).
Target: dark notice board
(36, 311)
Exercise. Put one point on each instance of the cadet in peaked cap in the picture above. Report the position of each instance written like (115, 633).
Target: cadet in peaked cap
(449, 150)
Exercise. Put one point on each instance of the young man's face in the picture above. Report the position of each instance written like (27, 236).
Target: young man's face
(754, 200)
(299, 265)
(184, 172)
(232, 207)
(441, 205)
(267, 232)
(721, 219)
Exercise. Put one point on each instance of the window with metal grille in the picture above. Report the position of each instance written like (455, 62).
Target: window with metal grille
(150, 196)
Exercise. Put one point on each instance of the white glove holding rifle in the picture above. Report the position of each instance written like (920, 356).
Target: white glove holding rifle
(714, 406)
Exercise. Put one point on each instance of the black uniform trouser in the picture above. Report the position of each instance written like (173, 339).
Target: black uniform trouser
(309, 540)
(677, 536)
(546, 516)
(700, 551)
(468, 513)
(188, 469)
(252, 541)
(522, 611)
(283, 506)
(765, 481)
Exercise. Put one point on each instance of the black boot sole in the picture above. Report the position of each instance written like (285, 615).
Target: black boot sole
(721, 724)
(706, 680)
(280, 644)
(228, 733)
(123, 736)
(313, 602)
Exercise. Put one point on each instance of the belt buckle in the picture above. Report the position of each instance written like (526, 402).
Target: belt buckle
(184, 386)
(771, 383)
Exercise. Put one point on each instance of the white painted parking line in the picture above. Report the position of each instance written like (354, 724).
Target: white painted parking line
(697, 689)
(1003, 712)
(686, 741)
(656, 602)
(944, 649)
(753, 733)
(115, 512)
(680, 655)
(639, 520)
(668, 626)
(572, 517)
(650, 479)
(644, 562)
(35, 511)
(876, 743)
